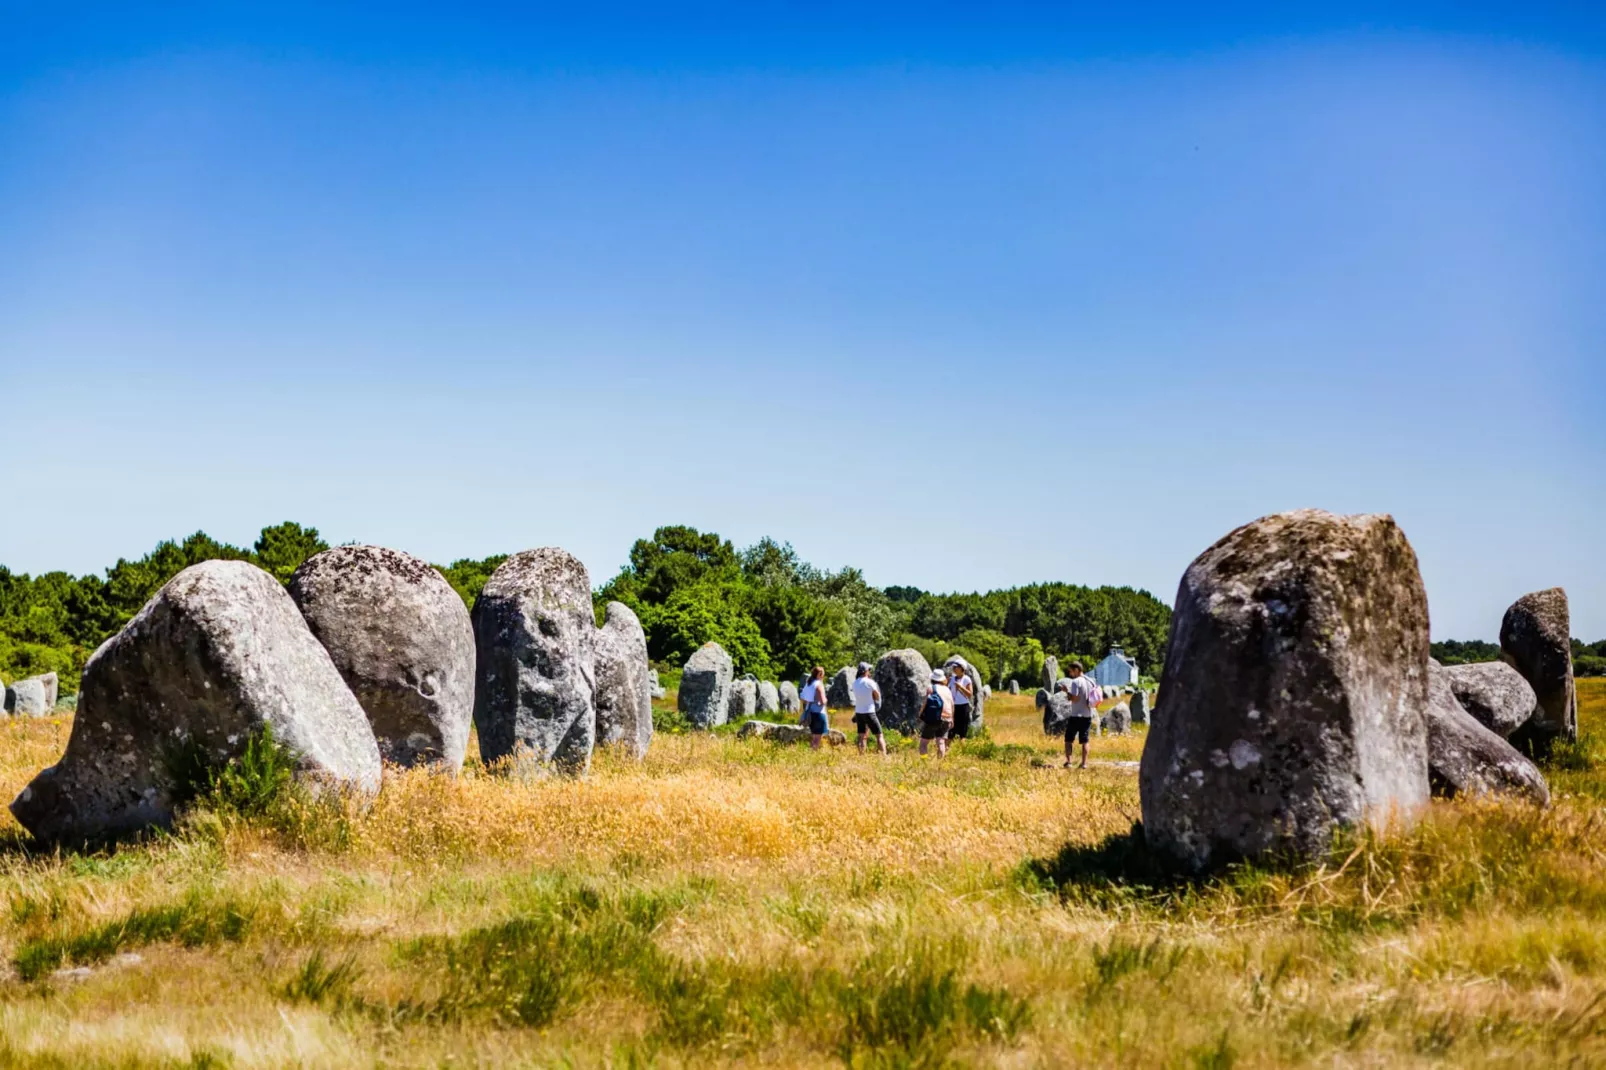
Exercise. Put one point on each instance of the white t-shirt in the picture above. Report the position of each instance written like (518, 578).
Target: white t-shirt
(1081, 691)
(865, 695)
(813, 693)
(960, 698)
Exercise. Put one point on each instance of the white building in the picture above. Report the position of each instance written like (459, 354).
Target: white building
(1117, 670)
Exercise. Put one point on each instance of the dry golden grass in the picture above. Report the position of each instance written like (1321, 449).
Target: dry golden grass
(731, 902)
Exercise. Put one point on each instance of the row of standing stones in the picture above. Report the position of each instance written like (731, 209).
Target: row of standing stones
(368, 656)
(710, 695)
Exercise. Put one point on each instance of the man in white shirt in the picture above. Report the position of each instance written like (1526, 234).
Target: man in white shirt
(1080, 723)
(867, 707)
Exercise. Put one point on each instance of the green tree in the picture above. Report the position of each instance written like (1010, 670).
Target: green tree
(279, 550)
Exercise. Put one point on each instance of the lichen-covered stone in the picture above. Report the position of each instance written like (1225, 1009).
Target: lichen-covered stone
(1465, 758)
(402, 641)
(904, 677)
(1117, 720)
(1051, 672)
(1536, 638)
(624, 682)
(1140, 707)
(1494, 694)
(785, 733)
(769, 697)
(535, 636)
(839, 693)
(1296, 684)
(216, 656)
(743, 700)
(790, 703)
(705, 686)
(32, 697)
(1056, 707)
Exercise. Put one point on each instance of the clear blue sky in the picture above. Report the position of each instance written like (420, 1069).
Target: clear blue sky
(966, 297)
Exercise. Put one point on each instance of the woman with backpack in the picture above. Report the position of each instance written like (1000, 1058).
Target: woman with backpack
(937, 715)
(814, 715)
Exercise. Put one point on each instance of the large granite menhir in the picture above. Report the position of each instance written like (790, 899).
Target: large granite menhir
(1296, 688)
(216, 656)
(904, 677)
(402, 641)
(705, 686)
(1536, 638)
(535, 635)
(624, 682)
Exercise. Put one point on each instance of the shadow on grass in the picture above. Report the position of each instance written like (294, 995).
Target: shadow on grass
(1121, 864)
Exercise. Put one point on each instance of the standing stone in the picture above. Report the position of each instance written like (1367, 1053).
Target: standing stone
(217, 655)
(654, 685)
(769, 699)
(29, 698)
(1043, 696)
(624, 682)
(1014, 687)
(1140, 707)
(402, 641)
(1051, 672)
(1116, 720)
(839, 695)
(1057, 707)
(1494, 694)
(1296, 671)
(743, 700)
(904, 678)
(986, 691)
(1465, 758)
(536, 635)
(705, 686)
(1536, 638)
(789, 700)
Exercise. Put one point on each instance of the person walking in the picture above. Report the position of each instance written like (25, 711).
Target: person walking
(937, 715)
(1080, 723)
(867, 707)
(963, 689)
(814, 715)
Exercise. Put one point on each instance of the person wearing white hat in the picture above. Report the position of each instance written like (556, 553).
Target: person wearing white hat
(937, 715)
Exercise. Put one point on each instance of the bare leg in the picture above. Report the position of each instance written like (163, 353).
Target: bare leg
(923, 742)
(1084, 756)
(862, 733)
(814, 741)
(881, 741)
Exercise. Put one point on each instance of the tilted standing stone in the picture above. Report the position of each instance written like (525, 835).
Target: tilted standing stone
(769, 699)
(705, 686)
(743, 700)
(1051, 672)
(402, 641)
(1465, 758)
(904, 678)
(1494, 694)
(535, 633)
(217, 655)
(624, 682)
(1536, 638)
(1296, 683)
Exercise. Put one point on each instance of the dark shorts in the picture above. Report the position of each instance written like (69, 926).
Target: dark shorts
(933, 731)
(818, 724)
(961, 722)
(1077, 728)
(868, 722)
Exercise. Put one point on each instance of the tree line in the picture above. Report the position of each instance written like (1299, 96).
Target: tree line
(775, 613)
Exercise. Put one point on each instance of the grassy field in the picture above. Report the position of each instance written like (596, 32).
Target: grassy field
(738, 903)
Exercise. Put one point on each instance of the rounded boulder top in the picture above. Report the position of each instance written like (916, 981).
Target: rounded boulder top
(551, 575)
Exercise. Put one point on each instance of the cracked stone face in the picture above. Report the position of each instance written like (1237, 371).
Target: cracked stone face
(1295, 687)
(535, 638)
(402, 641)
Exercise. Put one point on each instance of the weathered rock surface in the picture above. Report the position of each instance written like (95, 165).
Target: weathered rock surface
(769, 697)
(785, 733)
(1057, 707)
(839, 694)
(790, 703)
(654, 685)
(31, 697)
(1494, 694)
(624, 682)
(1043, 696)
(1051, 672)
(705, 686)
(743, 700)
(1465, 758)
(402, 641)
(1117, 720)
(536, 635)
(1536, 638)
(217, 655)
(1140, 707)
(1014, 687)
(1296, 676)
(904, 678)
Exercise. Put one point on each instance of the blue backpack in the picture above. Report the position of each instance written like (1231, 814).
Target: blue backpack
(931, 712)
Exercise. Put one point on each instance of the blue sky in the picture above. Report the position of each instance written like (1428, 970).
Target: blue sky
(968, 298)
